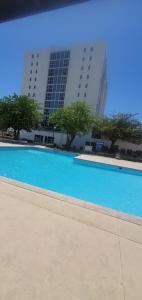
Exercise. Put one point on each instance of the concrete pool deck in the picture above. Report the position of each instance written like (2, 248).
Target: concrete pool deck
(56, 248)
(111, 161)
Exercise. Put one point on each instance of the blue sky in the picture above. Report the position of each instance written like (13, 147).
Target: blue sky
(117, 22)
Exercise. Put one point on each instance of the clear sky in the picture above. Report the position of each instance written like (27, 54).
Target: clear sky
(116, 22)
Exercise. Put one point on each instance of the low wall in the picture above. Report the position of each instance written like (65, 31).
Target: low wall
(126, 145)
(79, 141)
(59, 138)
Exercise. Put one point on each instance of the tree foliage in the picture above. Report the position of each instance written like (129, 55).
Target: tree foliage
(18, 112)
(120, 126)
(73, 119)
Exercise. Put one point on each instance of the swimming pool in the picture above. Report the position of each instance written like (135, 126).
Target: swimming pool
(61, 172)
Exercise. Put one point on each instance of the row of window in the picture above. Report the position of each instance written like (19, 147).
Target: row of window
(57, 80)
(59, 55)
(30, 87)
(56, 88)
(33, 95)
(55, 96)
(59, 63)
(91, 49)
(32, 71)
(86, 85)
(82, 68)
(33, 63)
(85, 95)
(48, 111)
(58, 72)
(47, 139)
(53, 104)
(37, 55)
(31, 79)
(81, 76)
(83, 58)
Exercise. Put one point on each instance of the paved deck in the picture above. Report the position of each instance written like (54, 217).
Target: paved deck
(53, 249)
(111, 161)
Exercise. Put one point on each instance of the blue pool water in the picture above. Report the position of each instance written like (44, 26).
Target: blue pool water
(60, 172)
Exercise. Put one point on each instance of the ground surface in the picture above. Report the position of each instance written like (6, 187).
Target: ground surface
(112, 161)
(53, 248)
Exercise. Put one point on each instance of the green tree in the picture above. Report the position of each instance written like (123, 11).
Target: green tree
(73, 119)
(19, 112)
(4, 113)
(120, 126)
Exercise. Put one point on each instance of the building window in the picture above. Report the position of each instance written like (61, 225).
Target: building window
(37, 63)
(33, 94)
(29, 87)
(84, 49)
(87, 76)
(29, 94)
(86, 86)
(89, 67)
(78, 95)
(67, 54)
(47, 104)
(83, 58)
(84, 94)
(50, 80)
(52, 64)
(49, 88)
(49, 139)
(35, 79)
(92, 49)
(64, 72)
(90, 58)
(32, 64)
(30, 79)
(32, 55)
(66, 63)
(34, 86)
(31, 72)
(62, 87)
(51, 72)
(82, 68)
(37, 55)
(80, 76)
(36, 71)
(48, 96)
(62, 96)
(38, 138)
(53, 56)
(79, 86)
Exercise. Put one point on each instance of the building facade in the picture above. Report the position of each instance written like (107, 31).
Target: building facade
(56, 77)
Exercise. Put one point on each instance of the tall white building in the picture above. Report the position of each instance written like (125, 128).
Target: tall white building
(55, 77)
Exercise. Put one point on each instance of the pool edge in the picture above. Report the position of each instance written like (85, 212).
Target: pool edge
(75, 201)
(108, 164)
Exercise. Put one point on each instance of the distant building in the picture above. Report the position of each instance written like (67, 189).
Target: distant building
(57, 77)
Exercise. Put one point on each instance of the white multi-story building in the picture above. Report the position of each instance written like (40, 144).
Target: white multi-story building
(55, 77)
